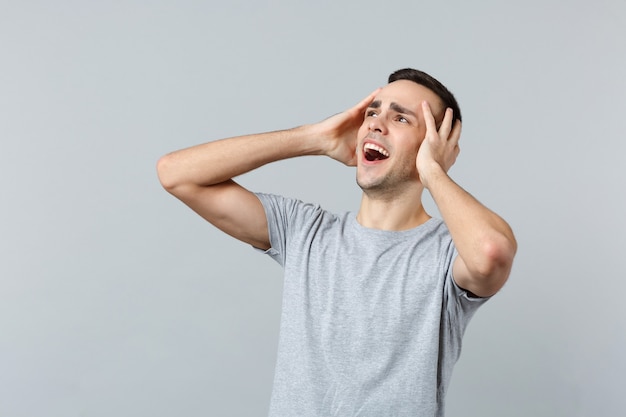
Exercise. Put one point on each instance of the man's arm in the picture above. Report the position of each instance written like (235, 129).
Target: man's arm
(201, 176)
(485, 242)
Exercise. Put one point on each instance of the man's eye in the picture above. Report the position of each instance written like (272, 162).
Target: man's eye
(371, 113)
(402, 119)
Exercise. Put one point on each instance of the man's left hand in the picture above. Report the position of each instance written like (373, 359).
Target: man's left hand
(440, 148)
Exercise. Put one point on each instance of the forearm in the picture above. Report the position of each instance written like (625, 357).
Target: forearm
(215, 162)
(483, 239)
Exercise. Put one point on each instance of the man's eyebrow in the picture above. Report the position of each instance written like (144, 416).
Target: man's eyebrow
(400, 109)
(374, 104)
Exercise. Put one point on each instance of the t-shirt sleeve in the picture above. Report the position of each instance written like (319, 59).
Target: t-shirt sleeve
(286, 217)
(277, 221)
(459, 303)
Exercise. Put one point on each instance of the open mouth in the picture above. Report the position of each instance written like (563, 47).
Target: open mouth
(374, 152)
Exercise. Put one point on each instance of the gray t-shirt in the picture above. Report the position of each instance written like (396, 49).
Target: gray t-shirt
(372, 320)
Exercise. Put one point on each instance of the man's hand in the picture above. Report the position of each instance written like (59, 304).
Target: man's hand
(340, 131)
(439, 149)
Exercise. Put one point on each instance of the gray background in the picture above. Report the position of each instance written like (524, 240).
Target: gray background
(116, 300)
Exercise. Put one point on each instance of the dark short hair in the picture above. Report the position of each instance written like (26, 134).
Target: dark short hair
(421, 78)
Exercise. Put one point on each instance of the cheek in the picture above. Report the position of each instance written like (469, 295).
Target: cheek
(411, 144)
(420, 133)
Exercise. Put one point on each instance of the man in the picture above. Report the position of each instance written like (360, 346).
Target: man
(375, 303)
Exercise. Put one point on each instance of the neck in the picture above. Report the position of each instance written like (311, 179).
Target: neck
(399, 213)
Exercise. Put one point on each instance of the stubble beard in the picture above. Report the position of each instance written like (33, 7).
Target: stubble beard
(386, 187)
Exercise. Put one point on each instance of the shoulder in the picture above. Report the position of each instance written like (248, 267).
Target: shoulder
(291, 207)
(296, 217)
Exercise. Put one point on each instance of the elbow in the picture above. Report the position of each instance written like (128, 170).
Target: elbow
(496, 263)
(500, 252)
(501, 257)
(165, 170)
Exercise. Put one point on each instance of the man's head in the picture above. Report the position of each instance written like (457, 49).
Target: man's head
(393, 130)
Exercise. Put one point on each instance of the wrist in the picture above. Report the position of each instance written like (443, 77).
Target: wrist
(306, 139)
(430, 173)
(317, 139)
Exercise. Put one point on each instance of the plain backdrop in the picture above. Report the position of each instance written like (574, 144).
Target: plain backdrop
(117, 300)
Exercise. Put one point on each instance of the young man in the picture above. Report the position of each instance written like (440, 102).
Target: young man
(375, 303)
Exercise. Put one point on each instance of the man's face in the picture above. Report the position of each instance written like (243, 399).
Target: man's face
(391, 134)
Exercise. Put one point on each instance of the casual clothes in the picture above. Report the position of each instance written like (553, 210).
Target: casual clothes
(372, 320)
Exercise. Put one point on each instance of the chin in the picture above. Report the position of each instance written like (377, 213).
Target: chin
(385, 187)
(374, 186)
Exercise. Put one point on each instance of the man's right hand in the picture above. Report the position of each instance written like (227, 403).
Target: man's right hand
(340, 131)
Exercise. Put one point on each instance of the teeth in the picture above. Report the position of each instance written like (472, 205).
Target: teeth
(375, 148)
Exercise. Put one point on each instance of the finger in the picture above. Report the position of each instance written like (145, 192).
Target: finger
(446, 124)
(455, 135)
(428, 118)
(362, 105)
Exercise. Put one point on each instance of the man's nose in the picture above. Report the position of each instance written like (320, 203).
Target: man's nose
(377, 124)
